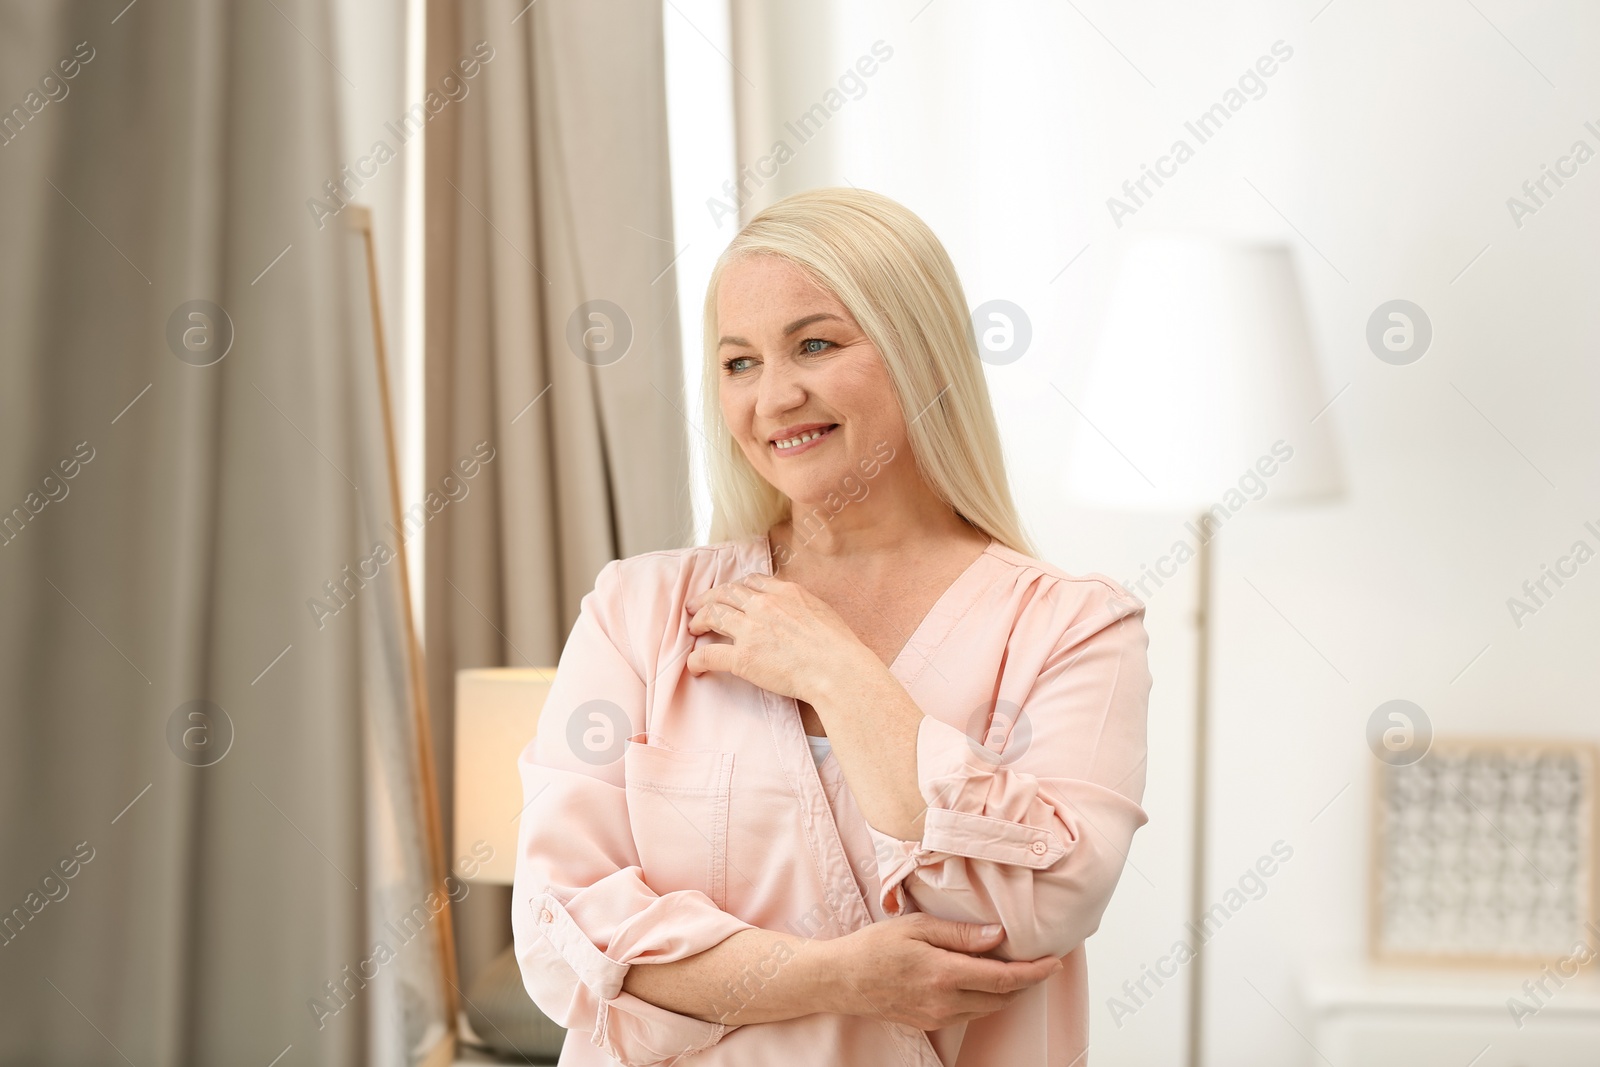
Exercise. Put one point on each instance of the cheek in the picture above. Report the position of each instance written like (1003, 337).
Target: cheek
(735, 413)
(871, 407)
(739, 418)
(865, 393)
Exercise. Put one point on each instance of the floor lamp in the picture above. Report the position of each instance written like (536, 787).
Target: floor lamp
(497, 714)
(1201, 399)
(399, 775)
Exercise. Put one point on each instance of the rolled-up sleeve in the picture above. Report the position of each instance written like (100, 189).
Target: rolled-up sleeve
(1032, 830)
(582, 914)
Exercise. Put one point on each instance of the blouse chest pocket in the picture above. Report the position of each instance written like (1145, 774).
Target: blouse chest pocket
(678, 804)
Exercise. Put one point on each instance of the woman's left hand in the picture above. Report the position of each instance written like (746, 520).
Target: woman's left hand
(784, 639)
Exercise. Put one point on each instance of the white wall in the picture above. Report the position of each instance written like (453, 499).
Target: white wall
(1390, 141)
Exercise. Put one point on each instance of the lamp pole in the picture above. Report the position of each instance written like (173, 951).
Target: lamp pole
(1197, 873)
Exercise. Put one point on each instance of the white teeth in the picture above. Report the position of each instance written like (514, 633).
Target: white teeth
(802, 439)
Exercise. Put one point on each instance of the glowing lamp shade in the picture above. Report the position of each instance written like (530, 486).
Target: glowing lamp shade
(497, 714)
(1203, 364)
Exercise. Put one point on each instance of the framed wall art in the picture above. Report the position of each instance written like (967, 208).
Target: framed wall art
(1483, 853)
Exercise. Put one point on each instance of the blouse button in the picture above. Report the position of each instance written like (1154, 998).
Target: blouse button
(1037, 848)
(544, 916)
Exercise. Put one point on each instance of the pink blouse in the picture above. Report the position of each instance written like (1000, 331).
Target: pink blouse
(666, 812)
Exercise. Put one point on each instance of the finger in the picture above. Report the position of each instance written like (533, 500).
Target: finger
(972, 1004)
(735, 592)
(957, 936)
(711, 658)
(723, 618)
(1001, 976)
(740, 592)
(965, 1007)
(758, 581)
(969, 1016)
(696, 603)
(699, 622)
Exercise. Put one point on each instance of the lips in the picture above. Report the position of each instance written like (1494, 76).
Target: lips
(811, 438)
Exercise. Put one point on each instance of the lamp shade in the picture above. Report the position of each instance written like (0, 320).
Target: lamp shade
(1204, 372)
(497, 714)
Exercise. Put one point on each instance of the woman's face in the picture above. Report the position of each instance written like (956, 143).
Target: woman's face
(792, 361)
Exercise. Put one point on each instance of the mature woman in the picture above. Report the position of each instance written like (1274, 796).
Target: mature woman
(852, 784)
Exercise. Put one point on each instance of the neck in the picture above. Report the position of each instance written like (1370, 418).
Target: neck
(813, 538)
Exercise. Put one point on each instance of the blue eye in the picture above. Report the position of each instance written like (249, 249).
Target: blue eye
(728, 364)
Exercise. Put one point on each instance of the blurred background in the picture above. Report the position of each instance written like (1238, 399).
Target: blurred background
(342, 343)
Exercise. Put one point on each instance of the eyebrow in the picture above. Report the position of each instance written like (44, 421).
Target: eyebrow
(787, 330)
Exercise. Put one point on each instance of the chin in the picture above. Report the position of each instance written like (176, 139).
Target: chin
(811, 487)
(813, 491)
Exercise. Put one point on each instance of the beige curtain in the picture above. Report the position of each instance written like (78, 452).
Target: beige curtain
(547, 188)
(192, 855)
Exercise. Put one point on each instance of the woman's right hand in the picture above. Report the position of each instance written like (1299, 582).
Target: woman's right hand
(923, 971)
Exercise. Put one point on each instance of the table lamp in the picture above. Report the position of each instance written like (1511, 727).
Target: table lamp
(497, 714)
(1203, 380)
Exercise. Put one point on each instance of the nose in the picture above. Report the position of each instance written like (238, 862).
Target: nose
(780, 390)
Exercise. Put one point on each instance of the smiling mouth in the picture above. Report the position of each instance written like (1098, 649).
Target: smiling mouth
(801, 440)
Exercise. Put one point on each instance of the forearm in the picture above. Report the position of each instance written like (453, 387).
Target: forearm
(873, 724)
(754, 976)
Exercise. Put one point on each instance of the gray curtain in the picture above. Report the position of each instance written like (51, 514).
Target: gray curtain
(548, 188)
(189, 858)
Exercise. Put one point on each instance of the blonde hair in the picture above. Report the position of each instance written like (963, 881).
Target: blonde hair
(891, 273)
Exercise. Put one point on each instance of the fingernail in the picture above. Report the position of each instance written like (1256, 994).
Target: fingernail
(990, 930)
